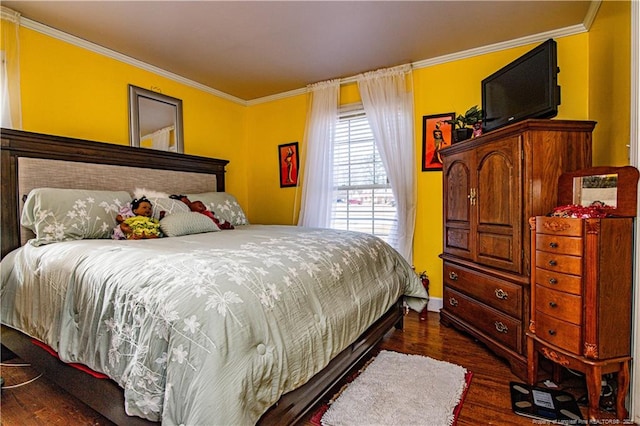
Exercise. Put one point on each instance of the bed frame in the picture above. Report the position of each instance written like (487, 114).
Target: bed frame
(103, 395)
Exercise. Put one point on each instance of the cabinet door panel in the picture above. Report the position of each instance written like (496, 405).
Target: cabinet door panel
(495, 246)
(458, 238)
(499, 194)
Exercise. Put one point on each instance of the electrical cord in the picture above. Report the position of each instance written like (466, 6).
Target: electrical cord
(4, 364)
(23, 383)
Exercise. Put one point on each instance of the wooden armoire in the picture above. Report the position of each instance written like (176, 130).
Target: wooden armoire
(492, 185)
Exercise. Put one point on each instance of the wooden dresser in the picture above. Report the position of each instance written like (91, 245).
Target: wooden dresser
(492, 185)
(581, 288)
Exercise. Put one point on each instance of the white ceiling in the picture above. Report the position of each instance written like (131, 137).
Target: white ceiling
(254, 49)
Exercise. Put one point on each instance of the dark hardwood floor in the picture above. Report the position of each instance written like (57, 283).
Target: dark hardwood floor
(487, 401)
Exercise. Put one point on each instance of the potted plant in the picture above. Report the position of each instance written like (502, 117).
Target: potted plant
(463, 124)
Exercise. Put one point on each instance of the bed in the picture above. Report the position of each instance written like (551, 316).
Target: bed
(243, 326)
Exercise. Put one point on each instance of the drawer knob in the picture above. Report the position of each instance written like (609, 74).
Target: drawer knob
(453, 276)
(501, 294)
(553, 281)
(501, 327)
(553, 263)
(553, 245)
(453, 301)
(552, 332)
(553, 304)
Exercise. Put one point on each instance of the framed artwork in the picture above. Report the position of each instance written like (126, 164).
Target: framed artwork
(289, 163)
(436, 134)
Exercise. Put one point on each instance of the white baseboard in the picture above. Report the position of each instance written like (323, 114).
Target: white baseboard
(435, 304)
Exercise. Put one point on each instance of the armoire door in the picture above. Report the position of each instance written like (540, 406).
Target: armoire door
(498, 209)
(458, 204)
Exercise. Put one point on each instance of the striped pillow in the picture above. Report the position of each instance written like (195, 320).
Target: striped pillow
(187, 223)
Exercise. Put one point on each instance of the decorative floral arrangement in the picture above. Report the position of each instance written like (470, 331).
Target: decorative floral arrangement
(595, 210)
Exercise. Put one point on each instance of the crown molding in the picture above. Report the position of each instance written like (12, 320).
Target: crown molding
(523, 41)
(591, 13)
(283, 95)
(536, 38)
(79, 42)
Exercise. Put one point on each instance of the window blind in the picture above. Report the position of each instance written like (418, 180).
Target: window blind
(364, 200)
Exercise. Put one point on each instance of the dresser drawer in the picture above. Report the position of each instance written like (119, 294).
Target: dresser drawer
(559, 244)
(559, 226)
(559, 262)
(564, 306)
(502, 295)
(494, 324)
(559, 281)
(557, 332)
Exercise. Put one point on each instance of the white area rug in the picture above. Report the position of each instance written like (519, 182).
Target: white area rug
(400, 389)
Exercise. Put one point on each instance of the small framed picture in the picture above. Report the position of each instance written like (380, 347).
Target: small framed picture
(436, 134)
(289, 163)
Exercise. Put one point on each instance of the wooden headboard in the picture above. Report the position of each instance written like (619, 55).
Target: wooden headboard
(31, 159)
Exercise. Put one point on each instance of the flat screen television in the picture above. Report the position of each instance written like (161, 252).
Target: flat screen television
(525, 88)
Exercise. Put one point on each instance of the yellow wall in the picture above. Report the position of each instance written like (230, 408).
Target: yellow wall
(450, 87)
(70, 91)
(610, 82)
(272, 124)
(73, 92)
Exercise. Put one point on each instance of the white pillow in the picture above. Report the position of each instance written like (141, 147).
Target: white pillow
(177, 224)
(143, 192)
(223, 205)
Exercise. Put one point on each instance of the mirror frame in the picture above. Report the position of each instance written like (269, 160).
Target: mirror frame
(135, 93)
(626, 205)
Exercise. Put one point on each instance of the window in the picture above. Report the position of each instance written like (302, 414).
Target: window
(364, 201)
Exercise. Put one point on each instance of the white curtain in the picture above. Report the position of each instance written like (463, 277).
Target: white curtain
(161, 139)
(317, 181)
(387, 97)
(11, 116)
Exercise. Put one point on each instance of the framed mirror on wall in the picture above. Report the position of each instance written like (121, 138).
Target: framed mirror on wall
(155, 120)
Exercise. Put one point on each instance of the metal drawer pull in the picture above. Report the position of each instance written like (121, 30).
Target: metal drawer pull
(553, 304)
(552, 332)
(453, 301)
(553, 245)
(553, 263)
(453, 276)
(553, 281)
(501, 327)
(501, 294)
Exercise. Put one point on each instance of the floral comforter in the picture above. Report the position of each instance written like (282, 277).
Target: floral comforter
(208, 328)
